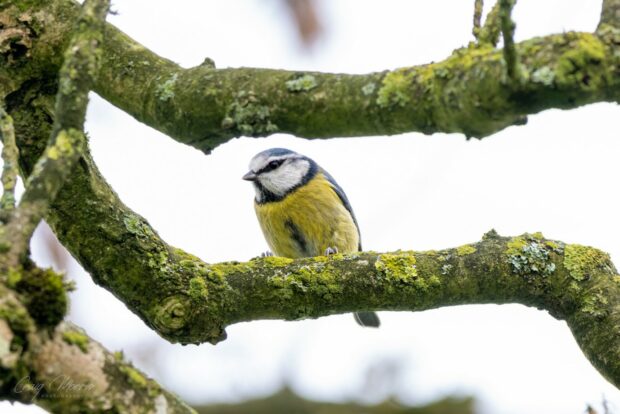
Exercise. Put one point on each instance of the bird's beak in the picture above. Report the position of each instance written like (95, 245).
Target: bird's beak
(250, 176)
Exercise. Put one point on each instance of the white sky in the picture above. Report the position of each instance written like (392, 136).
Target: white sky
(554, 175)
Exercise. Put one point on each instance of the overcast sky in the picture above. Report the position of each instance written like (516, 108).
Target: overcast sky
(557, 175)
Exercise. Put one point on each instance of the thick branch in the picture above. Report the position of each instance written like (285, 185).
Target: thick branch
(63, 370)
(465, 93)
(67, 140)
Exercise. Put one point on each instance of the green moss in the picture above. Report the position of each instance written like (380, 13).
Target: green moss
(14, 276)
(397, 266)
(302, 83)
(579, 63)
(76, 338)
(165, 90)
(198, 288)
(275, 261)
(528, 256)
(465, 250)
(44, 295)
(134, 376)
(581, 261)
(395, 88)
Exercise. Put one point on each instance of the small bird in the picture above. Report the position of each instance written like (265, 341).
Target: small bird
(302, 211)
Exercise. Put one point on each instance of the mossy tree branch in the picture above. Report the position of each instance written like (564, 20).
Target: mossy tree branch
(466, 93)
(508, 30)
(489, 32)
(10, 170)
(57, 366)
(67, 141)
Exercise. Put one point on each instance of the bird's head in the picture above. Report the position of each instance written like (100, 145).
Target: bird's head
(278, 171)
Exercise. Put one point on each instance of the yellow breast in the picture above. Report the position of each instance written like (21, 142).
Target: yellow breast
(308, 221)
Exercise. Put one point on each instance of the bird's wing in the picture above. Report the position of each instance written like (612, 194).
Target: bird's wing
(345, 201)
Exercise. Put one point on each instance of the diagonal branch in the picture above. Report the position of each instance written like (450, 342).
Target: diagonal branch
(67, 141)
(63, 370)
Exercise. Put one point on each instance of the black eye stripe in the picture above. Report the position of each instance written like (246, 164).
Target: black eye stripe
(271, 166)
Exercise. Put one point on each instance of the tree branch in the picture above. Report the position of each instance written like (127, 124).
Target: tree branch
(489, 33)
(510, 52)
(10, 169)
(63, 370)
(67, 141)
(466, 93)
(478, 6)
(610, 15)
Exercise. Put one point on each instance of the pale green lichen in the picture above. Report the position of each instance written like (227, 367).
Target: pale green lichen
(134, 376)
(578, 62)
(397, 266)
(303, 83)
(465, 250)
(76, 338)
(394, 89)
(581, 261)
(369, 88)
(165, 91)
(528, 256)
(544, 75)
(248, 116)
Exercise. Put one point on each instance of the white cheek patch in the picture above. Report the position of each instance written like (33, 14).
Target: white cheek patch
(283, 179)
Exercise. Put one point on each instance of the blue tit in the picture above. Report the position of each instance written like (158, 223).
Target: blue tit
(302, 211)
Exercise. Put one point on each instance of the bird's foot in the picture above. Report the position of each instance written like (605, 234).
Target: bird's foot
(331, 250)
(266, 254)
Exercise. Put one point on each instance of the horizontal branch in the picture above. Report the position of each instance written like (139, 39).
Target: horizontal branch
(466, 93)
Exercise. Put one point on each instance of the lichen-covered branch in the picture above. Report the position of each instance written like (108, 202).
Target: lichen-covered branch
(610, 15)
(489, 32)
(57, 366)
(466, 93)
(67, 141)
(10, 169)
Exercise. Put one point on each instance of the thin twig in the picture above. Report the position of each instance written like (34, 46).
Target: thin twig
(610, 15)
(508, 29)
(489, 32)
(10, 157)
(478, 6)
